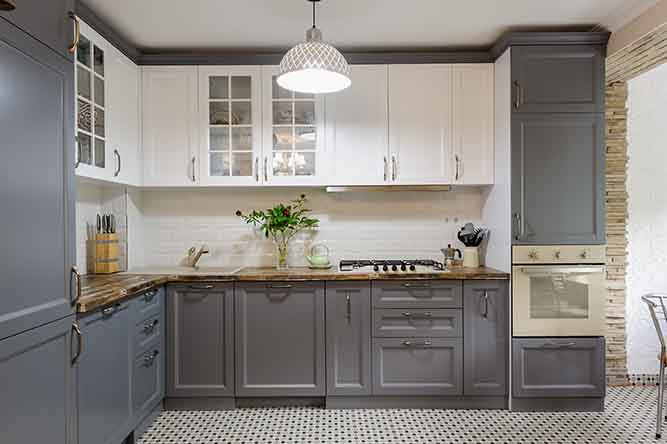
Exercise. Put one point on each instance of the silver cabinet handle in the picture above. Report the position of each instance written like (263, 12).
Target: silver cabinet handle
(385, 168)
(78, 151)
(202, 287)
(194, 166)
(117, 172)
(517, 94)
(556, 345)
(266, 169)
(458, 162)
(425, 343)
(79, 342)
(109, 311)
(149, 295)
(77, 33)
(413, 285)
(425, 315)
(149, 358)
(348, 307)
(77, 284)
(518, 232)
(149, 327)
(257, 169)
(280, 286)
(485, 313)
(393, 168)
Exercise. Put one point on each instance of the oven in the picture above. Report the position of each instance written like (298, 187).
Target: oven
(558, 291)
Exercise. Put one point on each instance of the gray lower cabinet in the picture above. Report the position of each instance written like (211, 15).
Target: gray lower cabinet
(485, 337)
(558, 163)
(280, 339)
(104, 376)
(558, 367)
(37, 404)
(418, 366)
(348, 331)
(200, 340)
(558, 79)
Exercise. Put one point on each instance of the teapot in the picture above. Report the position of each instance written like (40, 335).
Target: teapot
(450, 254)
(319, 256)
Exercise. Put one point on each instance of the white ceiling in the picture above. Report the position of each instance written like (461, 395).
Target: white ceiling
(349, 23)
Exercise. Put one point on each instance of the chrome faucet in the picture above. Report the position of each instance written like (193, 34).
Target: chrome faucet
(194, 255)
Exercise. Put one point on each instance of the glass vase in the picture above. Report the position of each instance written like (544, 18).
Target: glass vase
(282, 253)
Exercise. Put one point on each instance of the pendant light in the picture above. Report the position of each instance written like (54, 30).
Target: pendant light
(314, 67)
(7, 5)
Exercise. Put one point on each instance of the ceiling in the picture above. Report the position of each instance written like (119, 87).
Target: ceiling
(207, 24)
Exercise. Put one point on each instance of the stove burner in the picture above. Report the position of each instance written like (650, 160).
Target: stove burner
(390, 265)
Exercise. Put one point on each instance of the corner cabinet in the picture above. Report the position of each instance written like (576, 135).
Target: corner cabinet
(170, 126)
(280, 339)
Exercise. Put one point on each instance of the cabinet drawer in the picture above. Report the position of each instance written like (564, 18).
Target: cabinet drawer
(148, 303)
(399, 323)
(417, 366)
(417, 294)
(147, 330)
(558, 367)
(147, 387)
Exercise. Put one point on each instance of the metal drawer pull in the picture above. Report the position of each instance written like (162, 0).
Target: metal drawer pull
(77, 284)
(556, 345)
(266, 169)
(79, 339)
(394, 174)
(150, 326)
(257, 169)
(427, 315)
(426, 343)
(348, 312)
(117, 172)
(280, 287)
(194, 167)
(109, 311)
(485, 313)
(409, 285)
(149, 295)
(517, 97)
(149, 358)
(202, 287)
(385, 168)
(77, 33)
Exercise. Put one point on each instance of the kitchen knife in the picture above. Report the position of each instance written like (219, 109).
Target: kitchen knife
(99, 224)
(112, 223)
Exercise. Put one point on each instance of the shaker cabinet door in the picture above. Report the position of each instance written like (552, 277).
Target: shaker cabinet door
(348, 319)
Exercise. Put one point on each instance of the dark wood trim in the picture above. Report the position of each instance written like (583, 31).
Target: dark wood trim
(547, 39)
(354, 57)
(106, 31)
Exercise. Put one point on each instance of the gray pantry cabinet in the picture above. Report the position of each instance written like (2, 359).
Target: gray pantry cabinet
(37, 196)
(38, 392)
(348, 332)
(485, 333)
(280, 339)
(49, 21)
(558, 79)
(201, 340)
(558, 179)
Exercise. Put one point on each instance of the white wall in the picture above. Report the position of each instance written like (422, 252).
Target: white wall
(353, 225)
(647, 227)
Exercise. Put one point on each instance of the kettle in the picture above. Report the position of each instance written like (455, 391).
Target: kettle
(319, 256)
(450, 254)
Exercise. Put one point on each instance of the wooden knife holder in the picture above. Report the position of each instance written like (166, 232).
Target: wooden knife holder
(106, 253)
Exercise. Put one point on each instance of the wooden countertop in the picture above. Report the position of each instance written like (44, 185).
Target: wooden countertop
(101, 290)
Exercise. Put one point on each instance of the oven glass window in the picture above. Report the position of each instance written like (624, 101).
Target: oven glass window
(559, 296)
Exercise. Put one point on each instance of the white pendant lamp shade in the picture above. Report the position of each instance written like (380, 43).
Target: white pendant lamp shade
(314, 67)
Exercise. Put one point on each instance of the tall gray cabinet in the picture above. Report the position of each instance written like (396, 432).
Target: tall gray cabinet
(558, 145)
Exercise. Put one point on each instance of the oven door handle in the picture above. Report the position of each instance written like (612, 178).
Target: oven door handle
(562, 270)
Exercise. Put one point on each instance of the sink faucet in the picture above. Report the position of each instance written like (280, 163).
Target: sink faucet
(194, 255)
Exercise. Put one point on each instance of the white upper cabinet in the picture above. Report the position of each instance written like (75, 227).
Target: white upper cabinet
(230, 125)
(92, 157)
(473, 144)
(124, 118)
(420, 124)
(293, 150)
(357, 129)
(170, 126)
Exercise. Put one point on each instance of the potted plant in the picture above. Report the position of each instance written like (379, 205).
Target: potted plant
(281, 223)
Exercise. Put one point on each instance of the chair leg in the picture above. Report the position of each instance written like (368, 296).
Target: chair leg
(661, 395)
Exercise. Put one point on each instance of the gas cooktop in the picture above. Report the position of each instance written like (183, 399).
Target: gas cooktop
(388, 266)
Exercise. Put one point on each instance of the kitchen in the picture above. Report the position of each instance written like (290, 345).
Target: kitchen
(425, 229)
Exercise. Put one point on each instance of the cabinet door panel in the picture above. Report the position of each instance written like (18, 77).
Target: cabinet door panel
(348, 345)
(201, 341)
(486, 333)
(170, 136)
(37, 185)
(37, 402)
(558, 79)
(148, 380)
(558, 178)
(280, 339)
(420, 123)
(356, 127)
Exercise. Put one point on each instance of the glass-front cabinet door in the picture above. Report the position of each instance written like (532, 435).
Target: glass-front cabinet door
(91, 132)
(230, 109)
(293, 134)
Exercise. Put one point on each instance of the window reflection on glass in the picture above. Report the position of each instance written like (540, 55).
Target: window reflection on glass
(559, 296)
(242, 139)
(282, 113)
(304, 113)
(219, 139)
(83, 51)
(306, 138)
(241, 164)
(241, 113)
(85, 149)
(218, 87)
(219, 164)
(218, 113)
(99, 91)
(99, 122)
(304, 164)
(283, 164)
(99, 153)
(282, 138)
(83, 82)
(98, 60)
(241, 87)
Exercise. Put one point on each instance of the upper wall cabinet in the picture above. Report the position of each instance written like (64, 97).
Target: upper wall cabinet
(357, 129)
(420, 124)
(230, 125)
(473, 127)
(293, 134)
(170, 128)
(558, 79)
(47, 21)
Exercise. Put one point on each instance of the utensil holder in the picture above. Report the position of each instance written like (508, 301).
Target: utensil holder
(471, 257)
(106, 253)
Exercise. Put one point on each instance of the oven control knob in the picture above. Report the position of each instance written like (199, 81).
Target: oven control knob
(557, 254)
(532, 254)
(385, 267)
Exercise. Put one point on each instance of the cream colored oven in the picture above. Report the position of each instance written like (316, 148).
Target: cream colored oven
(558, 290)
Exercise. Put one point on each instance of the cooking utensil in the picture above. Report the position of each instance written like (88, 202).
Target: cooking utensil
(99, 224)
(471, 236)
(112, 223)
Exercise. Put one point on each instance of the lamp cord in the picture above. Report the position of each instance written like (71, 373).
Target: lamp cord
(314, 15)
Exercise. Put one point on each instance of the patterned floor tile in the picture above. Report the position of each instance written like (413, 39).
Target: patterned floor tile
(628, 419)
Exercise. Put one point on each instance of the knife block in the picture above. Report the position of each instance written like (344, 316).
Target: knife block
(106, 253)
